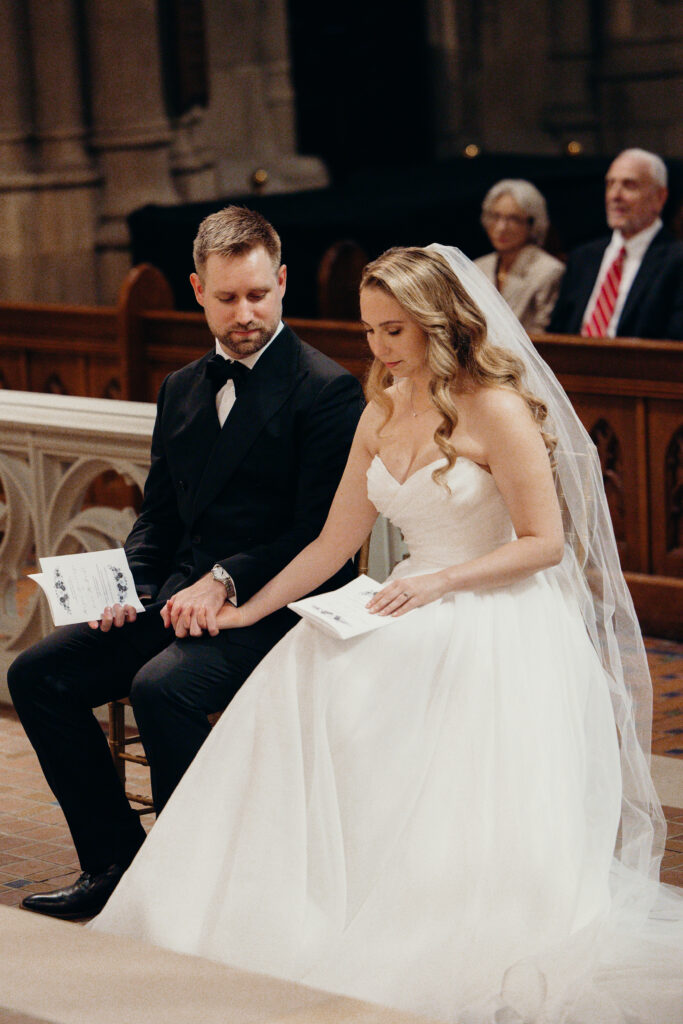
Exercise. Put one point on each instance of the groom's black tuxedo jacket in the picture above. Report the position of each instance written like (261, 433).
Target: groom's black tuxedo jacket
(654, 304)
(252, 494)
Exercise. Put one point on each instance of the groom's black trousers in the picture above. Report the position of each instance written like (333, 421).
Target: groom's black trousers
(172, 684)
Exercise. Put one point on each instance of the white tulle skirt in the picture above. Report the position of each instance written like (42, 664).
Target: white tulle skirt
(424, 817)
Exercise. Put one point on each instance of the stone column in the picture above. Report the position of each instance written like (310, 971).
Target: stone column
(58, 117)
(572, 114)
(64, 201)
(251, 98)
(192, 160)
(454, 78)
(640, 77)
(490, 75)
(130, 129)
(15, 159)
(15, 121)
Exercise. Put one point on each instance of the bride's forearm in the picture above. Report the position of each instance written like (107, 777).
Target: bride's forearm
(350, 519)
(508, 564)
(309, 570)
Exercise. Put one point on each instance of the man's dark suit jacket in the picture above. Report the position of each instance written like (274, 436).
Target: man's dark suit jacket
(252, 494)
(654, 304)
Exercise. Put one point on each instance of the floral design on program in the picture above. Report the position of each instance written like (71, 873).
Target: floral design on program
(61, 591)
(120, 583)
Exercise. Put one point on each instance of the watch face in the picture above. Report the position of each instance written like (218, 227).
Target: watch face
(222, 576)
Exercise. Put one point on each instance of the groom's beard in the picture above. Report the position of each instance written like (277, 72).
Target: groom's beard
(245, 339)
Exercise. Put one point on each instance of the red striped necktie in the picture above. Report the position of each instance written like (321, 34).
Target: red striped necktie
(597, 323)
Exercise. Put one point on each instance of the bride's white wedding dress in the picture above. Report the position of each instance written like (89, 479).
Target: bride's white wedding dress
(423, 816)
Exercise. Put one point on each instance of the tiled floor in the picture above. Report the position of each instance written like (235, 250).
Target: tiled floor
(666, 667)
(36, 852)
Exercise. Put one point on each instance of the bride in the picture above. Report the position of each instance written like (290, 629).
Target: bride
(452, 815)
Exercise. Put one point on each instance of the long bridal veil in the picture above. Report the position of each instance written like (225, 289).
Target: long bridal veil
(634, 958)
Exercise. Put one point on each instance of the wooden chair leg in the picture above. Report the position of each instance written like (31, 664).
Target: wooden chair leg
(363, 556)
(118, 741)
(117, 737)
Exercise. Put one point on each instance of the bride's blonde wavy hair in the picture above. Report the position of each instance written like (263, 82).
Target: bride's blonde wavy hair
(427, 289)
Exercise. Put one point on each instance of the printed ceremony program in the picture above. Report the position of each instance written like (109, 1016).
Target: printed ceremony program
(79, 587)
(342, 612)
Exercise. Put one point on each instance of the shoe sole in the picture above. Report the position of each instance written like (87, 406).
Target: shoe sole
(69, 916)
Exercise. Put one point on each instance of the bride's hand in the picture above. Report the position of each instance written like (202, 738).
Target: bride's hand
(401, 596)
(230, 617)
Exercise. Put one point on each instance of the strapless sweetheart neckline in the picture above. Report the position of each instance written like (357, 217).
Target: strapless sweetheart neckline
(430, 465)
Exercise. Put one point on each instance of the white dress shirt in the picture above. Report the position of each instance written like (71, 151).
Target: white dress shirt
(225, 398)
(636, 247)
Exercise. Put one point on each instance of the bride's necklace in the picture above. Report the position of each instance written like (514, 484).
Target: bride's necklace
(413, 411)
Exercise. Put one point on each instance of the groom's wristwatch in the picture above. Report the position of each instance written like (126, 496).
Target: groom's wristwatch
(221, 576)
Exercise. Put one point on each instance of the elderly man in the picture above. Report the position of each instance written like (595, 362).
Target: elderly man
(629, 285)
(249, 445)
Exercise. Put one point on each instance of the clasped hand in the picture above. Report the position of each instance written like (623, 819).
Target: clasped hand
(401, 596)
(194, 610)
(191, 612)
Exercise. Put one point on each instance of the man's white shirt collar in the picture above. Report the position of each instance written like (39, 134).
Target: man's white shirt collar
(637, 245)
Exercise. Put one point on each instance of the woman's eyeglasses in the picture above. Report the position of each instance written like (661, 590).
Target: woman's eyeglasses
(507, 219)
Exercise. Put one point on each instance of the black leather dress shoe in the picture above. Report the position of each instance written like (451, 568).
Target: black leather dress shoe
(84, 898)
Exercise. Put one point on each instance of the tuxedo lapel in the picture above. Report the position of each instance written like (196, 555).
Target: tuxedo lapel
(647, 273)
(200, 419)
(268, 386)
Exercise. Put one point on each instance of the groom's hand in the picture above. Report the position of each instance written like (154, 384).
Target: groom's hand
(194, 609)
(116, 615)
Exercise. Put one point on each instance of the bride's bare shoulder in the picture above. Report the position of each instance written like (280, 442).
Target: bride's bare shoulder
(490, 413)
(495, 402)
(371, 421)
(374, 414)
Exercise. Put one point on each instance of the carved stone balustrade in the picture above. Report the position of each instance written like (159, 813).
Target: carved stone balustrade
(53, 449)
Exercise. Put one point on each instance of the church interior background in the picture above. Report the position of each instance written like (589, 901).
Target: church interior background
(109, 107)
(123, 122)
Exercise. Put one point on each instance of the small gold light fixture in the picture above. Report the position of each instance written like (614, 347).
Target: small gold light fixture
(574, 148)
(471, 150)
(259, 179)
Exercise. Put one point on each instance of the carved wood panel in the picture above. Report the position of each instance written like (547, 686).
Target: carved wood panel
(611, 420)
(104, 378)
(58, 374)
(665, 431)
(13, 374)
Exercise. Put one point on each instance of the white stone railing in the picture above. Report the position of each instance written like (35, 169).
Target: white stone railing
(52, 448)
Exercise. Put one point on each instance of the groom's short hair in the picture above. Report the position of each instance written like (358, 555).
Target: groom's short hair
(235, 231)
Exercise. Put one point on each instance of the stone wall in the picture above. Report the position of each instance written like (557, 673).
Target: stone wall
(534, 77)
(90, 128)
(87, 133)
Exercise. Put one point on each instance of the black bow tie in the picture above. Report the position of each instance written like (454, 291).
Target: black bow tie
(220, 371)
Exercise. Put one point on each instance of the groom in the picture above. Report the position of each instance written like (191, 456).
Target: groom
(249, 444)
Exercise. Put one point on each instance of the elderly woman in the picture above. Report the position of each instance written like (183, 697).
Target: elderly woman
(515, 218)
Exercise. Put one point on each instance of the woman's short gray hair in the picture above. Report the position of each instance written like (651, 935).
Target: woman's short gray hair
(529, 200)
